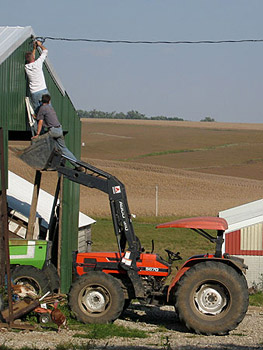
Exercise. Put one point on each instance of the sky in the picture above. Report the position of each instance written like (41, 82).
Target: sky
(222, 81)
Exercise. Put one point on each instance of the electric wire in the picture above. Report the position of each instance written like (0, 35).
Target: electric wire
(44, 38)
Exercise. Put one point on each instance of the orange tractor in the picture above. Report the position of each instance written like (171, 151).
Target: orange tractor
(209, 292)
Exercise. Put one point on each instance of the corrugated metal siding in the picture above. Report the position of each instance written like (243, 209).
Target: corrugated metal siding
(247, 241)
(12, 95)
(13, 90)
(232, 242)
(5, 144)
(251, 238)
(71, 125)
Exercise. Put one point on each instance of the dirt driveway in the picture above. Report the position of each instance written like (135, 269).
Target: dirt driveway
(163, 329)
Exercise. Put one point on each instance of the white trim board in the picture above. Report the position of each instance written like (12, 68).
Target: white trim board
(242, 216)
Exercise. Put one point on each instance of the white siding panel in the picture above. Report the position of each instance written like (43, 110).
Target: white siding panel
(251, 237)
(84, 240)
(254, 273)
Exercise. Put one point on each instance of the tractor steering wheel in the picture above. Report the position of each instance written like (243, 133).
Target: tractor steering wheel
(173, 256)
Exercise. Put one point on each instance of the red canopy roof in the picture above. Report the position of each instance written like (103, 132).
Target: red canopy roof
(202, 222)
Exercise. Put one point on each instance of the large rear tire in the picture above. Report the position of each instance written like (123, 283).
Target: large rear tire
(96, 298)
(33, 276)
(52, 275)
(212, 298)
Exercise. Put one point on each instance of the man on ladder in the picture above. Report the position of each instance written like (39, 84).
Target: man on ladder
(34, 71)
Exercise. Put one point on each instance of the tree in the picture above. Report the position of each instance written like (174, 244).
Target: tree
(135, 115)
(120, 115)
(207, 119)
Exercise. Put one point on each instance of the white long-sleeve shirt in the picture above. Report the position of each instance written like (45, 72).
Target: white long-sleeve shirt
(34, 71)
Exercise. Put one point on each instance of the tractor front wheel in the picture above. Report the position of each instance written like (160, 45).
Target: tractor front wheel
(96, 298)
(212, 298)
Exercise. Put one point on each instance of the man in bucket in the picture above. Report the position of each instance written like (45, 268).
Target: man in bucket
(47, 117)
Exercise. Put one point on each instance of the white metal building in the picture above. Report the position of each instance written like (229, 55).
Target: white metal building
(244, 237)
(19, 196)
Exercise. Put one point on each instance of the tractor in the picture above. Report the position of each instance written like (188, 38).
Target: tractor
(209, 292)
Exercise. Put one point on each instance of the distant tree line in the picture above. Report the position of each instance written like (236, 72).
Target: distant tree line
(115, 115)
(207, 119)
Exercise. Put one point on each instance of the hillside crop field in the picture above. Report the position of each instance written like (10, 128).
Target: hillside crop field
(204, 147)
(199, 168)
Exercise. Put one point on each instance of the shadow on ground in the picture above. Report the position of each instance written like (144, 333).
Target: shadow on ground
(155, 316)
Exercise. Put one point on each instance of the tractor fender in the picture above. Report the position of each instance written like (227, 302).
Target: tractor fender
(235, 262)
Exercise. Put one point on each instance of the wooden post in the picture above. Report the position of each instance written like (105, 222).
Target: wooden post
(2, 245)
(4, 230)
(156, 200)
(33, 208)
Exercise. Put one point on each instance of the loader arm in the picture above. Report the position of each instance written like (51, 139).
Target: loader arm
(93, 177)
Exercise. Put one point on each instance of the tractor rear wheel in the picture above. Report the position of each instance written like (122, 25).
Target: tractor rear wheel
(96, 298)
(212, 298)
(27, 274)
(52, 275)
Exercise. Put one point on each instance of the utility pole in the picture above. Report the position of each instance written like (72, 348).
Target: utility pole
(156, 200)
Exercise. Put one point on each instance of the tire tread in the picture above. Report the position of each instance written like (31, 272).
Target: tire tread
(115, 289)
(232, 318)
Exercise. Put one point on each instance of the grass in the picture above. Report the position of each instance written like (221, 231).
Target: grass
(86, 331)
(166, 152)
(103, 331)
(92, 331)
(95, 331)
(256, 299)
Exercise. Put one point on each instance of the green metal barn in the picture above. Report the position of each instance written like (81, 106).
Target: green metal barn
(14, 42)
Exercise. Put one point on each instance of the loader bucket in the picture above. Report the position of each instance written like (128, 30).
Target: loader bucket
(40, 153)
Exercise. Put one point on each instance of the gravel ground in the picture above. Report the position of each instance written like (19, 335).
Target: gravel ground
(164, 330)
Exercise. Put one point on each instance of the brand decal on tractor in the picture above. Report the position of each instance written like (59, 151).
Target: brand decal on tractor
(152, 269)
(126, 259)
(116, 189)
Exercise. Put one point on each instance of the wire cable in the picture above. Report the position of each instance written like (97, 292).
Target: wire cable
(150, 42)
